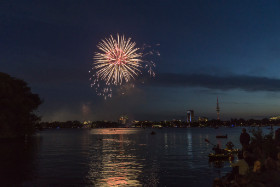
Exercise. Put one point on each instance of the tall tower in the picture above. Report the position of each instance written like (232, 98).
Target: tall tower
(218, 109)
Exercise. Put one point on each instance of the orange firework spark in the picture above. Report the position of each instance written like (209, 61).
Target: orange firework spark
(117, 63)
(118, 60)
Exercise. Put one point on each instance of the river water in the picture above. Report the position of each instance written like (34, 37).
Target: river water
(110, 157)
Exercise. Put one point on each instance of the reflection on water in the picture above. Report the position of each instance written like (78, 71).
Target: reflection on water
(115, 157)
(118, 165)
(189, 144)
(110, 131)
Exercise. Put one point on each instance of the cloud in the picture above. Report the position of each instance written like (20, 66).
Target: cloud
(243, 82)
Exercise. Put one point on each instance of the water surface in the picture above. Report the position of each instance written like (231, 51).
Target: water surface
(121, 156)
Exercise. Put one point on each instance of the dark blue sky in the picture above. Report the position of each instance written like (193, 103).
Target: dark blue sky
(210, 48)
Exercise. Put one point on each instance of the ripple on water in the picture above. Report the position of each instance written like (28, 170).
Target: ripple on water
(108, 157)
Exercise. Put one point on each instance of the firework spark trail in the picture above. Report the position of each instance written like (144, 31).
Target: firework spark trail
(119, 62)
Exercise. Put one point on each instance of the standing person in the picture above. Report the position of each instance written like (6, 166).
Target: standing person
(244, 139)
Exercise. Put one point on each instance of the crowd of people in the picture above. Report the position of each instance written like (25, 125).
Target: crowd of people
(254, 168)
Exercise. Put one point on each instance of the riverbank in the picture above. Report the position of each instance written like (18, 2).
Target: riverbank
(262, 156)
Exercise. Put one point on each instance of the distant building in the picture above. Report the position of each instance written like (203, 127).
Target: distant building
(87, 124)
(134, 122)
(202, 119)
(123, 120)
(274, 118)
(190, 116)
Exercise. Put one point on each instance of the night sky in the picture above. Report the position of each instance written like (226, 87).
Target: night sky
(209, 48)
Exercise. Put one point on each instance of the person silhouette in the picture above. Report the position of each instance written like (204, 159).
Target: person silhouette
(244, 139)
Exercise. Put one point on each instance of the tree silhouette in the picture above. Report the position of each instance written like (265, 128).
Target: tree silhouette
(17, 106)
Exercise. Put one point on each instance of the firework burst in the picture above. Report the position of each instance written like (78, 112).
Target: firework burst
(118, 62)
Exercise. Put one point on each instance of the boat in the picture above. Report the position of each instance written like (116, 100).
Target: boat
(233, 151)
(221, 136)
(222, 156)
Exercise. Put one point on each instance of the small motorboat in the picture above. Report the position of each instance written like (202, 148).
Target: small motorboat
(229, 148)
(222, 156)
(233, 151)
(221, 136)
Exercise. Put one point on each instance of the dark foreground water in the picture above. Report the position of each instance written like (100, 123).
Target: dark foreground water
(109, 157)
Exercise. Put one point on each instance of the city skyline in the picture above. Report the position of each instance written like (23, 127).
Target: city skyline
(208, 49)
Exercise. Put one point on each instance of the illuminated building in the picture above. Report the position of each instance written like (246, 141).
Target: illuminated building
(123, 119)
(87, 124)
(202, 119)
(274, 118)
(190, 116)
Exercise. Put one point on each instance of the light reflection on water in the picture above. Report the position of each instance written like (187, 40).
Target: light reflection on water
(118, 166)
(116, 157)
(189, 147)
(114, 131)
(180, 154)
